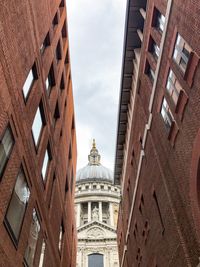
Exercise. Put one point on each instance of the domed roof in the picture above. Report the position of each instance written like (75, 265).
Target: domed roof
(94, 169)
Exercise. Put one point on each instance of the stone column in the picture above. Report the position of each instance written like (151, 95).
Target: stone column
(78, 215)
(89, 212)
(100, 211)
(111, 214)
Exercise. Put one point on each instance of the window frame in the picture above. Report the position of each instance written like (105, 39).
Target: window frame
(49, 154)
(35, 76)
(168, 114)
(43, 119)
(11, 149)
(7, 225)
(173, 85)
(179, 46)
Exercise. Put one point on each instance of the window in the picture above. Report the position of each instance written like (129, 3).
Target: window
(17, 206)
(181, 53)
(155, 50)
(50, 81)
(56, 114)
(62, 82)
(47, 158)
(166, 114)
(67, 58)
(94, 187)
(159, 20)
(173, 86)
(42, 253)
(55, 20)
(62, 4)
(102, 187)
(150, 73)
(58, 52)
(38, 124)
(64, 30)
(72, 180)
(6, 145)
(32, 75)
(45, 44)
(61, 237)
(95, 260)
(32, 240)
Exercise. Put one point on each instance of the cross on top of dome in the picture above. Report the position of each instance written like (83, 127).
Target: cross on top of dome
(94, 156)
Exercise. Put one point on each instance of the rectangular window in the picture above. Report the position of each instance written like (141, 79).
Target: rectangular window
(58, 52)
(6, 145)
(32, 240)
(46, 161)
(159, 20)
(173, 86)
(61, 237)
(166, 114)
(149, 71)
(32, 76)
(45, 44)
(17, 206)
(181, 53)
(155, 50)
(38, 124)
(50, 81)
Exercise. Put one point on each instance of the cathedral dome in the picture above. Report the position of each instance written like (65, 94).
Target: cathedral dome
(94, 169)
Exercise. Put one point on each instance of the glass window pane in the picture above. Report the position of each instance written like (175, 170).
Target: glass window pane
(37, 126)
(45, 164)
(95, 260)
(6, 145)
(17, 205)
(28, 83)
(32, 240)
(42, 253)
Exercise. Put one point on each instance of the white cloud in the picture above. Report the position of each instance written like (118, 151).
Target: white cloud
(96, 39)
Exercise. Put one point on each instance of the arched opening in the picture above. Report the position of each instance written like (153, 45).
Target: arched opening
(95, 260)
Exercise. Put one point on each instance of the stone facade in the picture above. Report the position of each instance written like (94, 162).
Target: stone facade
(96, 207)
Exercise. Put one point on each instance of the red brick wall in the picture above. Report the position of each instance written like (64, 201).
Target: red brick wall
(171, 237)
(22, 31)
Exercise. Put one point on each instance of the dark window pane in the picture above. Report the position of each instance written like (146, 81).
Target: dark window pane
(95, 260)
(17, 205)
(6, 145)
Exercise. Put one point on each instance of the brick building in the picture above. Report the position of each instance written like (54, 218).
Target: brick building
(158, 138)
(37, 136)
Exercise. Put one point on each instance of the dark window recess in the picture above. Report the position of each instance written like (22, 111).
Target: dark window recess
(66, 184)
(50, 81)
(45, 43)
(70, 152)
(64, 30)
(58, 52)
(67, 58)
(154, 48)
(6, 146)
(149, 72)
(28, 84)
(55, 20)
(159, 212)
(56, 114)
(62, 3)
(158, 20)
(17, 207)
(72, 180)
(62, 82)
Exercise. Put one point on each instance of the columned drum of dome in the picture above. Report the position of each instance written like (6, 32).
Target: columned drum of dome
(96, 203)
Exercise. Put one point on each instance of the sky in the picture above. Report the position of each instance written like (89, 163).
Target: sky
(96, 33)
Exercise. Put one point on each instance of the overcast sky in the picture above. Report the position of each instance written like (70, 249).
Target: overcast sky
(96, 32)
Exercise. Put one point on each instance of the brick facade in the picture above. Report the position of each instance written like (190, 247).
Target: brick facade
(158, 167)
(23, 28)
